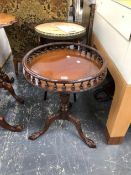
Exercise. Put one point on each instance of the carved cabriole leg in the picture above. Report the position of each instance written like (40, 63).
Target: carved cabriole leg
(64, 115)
(11, 80)
(5, 82)
(45, 95)
(74, 97)
(15, 66)
(77, 124)
(49, 121)
(5, 77)
(5, 125)
(8, 86)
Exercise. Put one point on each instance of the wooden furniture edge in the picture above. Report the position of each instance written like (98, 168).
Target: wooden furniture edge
(119, 118)
(112, 140)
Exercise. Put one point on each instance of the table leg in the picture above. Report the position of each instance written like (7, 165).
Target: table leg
(5, 77)
(49, 121)
(5, 82)
(8, 87)
(45, 95)
(77, 124)
(5, 125)
(119, 118)
(64, 115)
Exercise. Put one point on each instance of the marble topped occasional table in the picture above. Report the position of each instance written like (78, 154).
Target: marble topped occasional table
(60, 31)
(5, 81)
(65, 68)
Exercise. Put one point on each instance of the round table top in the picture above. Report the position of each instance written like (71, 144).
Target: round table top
(61, 30)
(6, 19)
(63, 64)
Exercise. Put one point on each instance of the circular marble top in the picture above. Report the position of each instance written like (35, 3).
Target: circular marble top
(57, 30)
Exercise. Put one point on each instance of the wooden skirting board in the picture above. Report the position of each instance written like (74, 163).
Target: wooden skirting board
(119, 118)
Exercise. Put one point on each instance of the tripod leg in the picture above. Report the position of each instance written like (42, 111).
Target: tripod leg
(49, 121)
(74, 97)
(16, 66)
(5, 125)
(8, 86)
(77, 124)
(45, 95)
(5, 77)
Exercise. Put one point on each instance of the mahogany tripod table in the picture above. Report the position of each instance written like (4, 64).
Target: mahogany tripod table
(64, 67)
(5, 81)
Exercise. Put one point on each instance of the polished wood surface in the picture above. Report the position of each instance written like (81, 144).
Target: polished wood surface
(6, 19)
(119, 118)
(63, 64)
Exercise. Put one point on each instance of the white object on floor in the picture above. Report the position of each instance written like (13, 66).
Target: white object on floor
(5, 49)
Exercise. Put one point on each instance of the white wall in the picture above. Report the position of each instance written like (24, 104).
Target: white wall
(114, 40)
(5, 49)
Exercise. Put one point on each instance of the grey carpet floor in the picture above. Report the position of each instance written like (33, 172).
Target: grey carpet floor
(60, 151)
